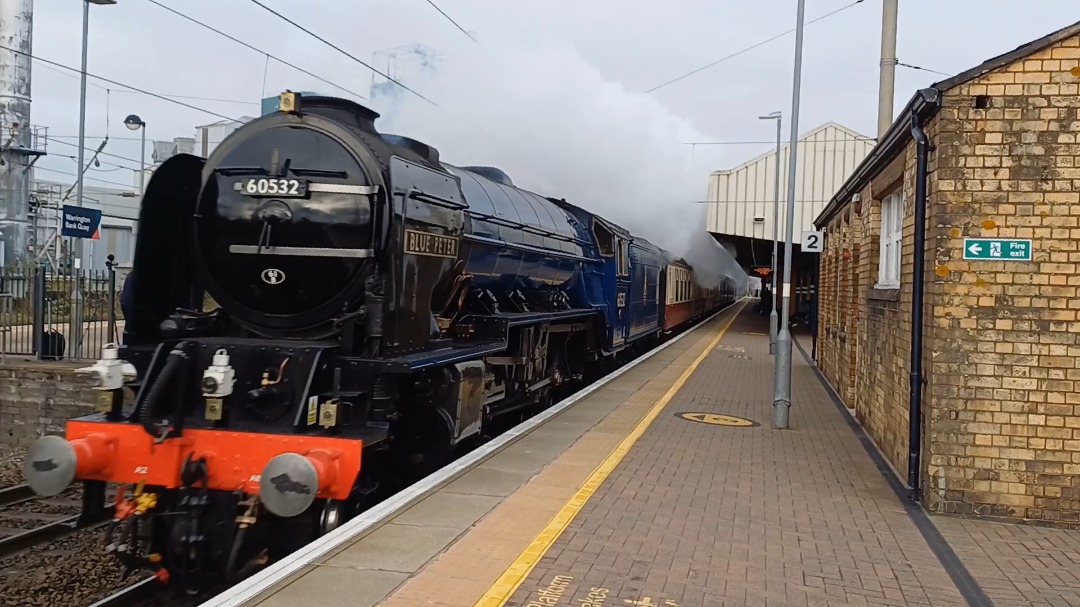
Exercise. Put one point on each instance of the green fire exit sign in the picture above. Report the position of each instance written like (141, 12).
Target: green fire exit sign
(997, 249)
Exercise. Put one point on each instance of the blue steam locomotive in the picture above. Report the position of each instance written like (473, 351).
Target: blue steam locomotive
(321, 312)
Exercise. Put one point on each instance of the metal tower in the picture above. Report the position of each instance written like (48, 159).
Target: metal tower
(20, 143)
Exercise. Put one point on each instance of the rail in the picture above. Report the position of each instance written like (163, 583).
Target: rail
(49, 532)
(136, 595)
(15, 494)
(20, 503)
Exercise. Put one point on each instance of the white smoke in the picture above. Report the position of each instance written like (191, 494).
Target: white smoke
(558, 128)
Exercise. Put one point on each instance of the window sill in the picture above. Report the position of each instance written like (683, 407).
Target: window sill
(884, 293)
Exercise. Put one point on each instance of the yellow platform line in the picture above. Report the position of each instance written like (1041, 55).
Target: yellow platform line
(515, 574)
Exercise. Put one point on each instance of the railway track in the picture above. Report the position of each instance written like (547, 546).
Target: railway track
(27, 520)
(139, 594)
(48, 532)
(15, 494)
(149, 592)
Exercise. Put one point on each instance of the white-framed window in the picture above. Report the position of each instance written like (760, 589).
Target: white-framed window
(892, 236)
(624, 259)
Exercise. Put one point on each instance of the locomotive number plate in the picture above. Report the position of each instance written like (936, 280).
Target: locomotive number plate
(431, 245)
(265, 186)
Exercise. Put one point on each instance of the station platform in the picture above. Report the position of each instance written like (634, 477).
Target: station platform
(667, 487)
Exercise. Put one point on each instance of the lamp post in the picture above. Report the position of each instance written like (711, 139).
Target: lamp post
(82, 94)
(75, 330)
(778, 117)
(782, 380)
(135, 123)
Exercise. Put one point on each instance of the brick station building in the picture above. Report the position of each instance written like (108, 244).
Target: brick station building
(991, 153)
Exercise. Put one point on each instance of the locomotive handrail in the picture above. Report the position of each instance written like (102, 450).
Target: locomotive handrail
(249, 249)
(527, 248)
(526, 228)
(343, 188)
(332, 188)
(438, 201)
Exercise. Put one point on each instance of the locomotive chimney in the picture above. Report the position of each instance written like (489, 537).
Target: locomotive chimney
(343, 110)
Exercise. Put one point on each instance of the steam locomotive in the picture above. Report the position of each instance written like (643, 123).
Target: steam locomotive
(320, 312)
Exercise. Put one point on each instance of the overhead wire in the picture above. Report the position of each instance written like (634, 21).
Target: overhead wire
(922, 69)
(49, 170)
(197, 98)
(93, 137)
(99, 203)
(256, 49)
(451, 20)
(493, 56)
(749, 48)
(104, 88)
(53, 139)
(340, 50)
(266, 72)
(98, 170)
(121, 84)
(461, 117)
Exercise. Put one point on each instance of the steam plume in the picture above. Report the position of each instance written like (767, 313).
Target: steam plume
(558, 128)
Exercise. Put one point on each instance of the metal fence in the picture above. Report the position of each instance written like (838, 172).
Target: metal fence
(59, 314)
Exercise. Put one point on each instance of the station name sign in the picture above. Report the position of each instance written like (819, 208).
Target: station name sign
(997, 249)
(81, 222)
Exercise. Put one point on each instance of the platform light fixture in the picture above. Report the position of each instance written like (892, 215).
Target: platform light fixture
(134, 123)
(778, 117)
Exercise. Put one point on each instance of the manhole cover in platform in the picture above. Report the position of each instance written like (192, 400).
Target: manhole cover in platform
(717, 419)
(740, 356)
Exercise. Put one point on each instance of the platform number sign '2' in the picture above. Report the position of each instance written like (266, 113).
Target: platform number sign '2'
(812, 242)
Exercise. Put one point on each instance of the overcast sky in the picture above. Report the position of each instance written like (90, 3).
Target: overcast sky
(553, 91)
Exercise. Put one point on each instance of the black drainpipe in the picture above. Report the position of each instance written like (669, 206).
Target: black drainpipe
(928, 100)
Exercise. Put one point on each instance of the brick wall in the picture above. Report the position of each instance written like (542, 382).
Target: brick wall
(837, 328)
(872, 338)
(830, 351)
(37, 397)
(1005, 433)
(1001, 425)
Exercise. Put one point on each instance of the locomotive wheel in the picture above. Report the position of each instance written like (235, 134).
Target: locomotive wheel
(334, 514)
